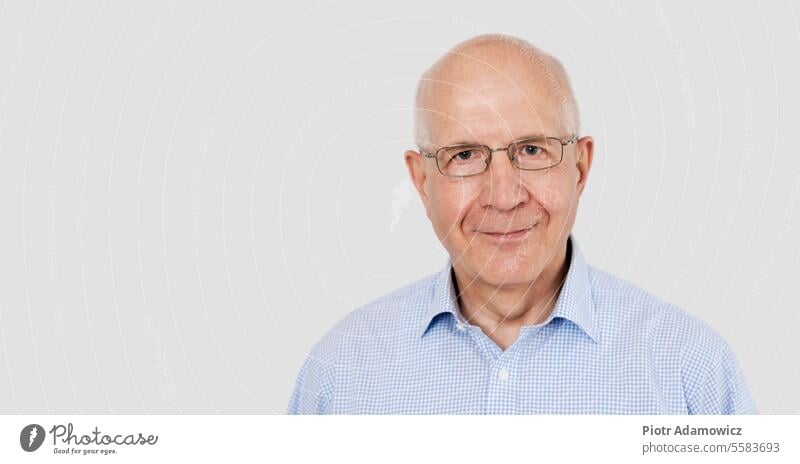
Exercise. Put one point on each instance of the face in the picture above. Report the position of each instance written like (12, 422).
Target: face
(505, 227)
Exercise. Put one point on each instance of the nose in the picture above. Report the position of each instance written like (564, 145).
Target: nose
(502, 187)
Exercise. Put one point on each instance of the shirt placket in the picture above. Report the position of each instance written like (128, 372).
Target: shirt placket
(504, 376)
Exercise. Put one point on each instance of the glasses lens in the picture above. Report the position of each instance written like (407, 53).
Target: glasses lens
(461, 161)
(533, 154)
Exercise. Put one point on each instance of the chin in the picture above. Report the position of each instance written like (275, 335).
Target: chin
(506, 270)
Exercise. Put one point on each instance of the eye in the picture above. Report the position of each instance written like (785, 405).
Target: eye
(464, 155)
(531, 150)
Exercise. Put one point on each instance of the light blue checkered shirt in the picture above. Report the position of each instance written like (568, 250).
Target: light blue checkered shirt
(608, 347)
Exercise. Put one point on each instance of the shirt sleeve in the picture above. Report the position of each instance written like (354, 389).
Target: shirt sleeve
(313, 388)
(715, 383)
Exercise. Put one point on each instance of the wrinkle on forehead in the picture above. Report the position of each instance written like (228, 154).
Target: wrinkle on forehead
(480, 76)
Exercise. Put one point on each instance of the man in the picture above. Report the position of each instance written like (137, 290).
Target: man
(517, 322)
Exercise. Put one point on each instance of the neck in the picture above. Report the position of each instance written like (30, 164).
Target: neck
(500, 311)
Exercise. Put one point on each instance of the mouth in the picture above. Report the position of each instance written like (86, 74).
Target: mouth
(508, 236)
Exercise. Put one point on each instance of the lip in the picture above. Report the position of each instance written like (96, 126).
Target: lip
(511, 236)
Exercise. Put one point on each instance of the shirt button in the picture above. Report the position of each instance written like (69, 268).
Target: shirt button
(503, 374)
(461, 326)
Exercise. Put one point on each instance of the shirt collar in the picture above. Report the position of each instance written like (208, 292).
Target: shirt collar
(574, 303)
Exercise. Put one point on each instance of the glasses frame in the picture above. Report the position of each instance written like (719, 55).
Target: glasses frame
(513, 159)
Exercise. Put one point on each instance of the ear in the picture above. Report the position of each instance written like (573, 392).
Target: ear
(415, 162)
(585, 152)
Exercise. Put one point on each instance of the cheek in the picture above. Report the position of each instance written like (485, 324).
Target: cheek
(554, 193)
(449, 204)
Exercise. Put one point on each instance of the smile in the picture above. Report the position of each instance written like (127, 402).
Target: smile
(510, 236)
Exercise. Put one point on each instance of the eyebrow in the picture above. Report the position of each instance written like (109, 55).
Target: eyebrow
(526, 137)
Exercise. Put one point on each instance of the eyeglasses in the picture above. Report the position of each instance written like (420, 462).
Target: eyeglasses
(528, 154)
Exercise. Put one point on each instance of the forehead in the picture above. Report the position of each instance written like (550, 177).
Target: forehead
(492, 115)
(468, 101)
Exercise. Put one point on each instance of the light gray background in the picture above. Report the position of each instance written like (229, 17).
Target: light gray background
(194, 192)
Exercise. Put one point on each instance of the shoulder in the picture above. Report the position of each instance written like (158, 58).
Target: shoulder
(680, 343)
(394, 314)
(391, 312)
(358, 341)
(620, 303)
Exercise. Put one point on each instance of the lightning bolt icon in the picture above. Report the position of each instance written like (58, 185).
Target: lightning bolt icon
(34, 432)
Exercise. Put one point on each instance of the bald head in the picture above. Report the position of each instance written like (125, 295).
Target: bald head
(475, 72)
